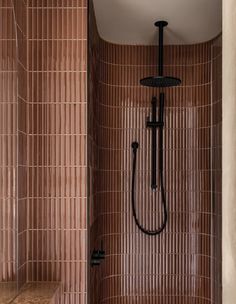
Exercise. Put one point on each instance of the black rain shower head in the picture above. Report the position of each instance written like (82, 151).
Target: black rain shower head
(160, 81)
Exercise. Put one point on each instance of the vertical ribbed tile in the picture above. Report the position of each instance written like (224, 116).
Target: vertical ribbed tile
(57, 135)
(20, 11)
(8, 152)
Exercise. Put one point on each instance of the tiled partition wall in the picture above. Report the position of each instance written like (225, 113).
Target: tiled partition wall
(57, 140)
(20, 11)
(177, 266)
(8, 144)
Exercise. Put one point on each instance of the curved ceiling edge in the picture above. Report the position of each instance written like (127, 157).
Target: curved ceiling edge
(132, 21)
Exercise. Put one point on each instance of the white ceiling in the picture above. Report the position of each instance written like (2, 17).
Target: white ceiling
(131, 21)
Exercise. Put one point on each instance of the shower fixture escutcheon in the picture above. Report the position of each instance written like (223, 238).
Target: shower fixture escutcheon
(97, 256)
(158, 81)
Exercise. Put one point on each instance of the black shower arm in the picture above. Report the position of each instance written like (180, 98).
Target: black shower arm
(160, 24)
(160, 51)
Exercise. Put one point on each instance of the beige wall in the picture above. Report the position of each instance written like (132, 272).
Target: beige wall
(229, 152)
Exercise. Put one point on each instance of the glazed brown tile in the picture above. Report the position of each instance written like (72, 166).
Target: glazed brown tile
(57, 3)
(72, 24)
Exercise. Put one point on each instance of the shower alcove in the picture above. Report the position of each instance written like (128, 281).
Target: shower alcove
(183, 263)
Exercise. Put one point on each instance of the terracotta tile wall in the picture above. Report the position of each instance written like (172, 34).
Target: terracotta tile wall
(177, 266)
(8, 143)
(20, 10)
(57, 141)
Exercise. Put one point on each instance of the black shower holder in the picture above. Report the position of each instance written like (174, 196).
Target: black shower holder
(153, 124)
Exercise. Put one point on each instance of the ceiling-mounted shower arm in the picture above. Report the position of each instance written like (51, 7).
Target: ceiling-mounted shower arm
(160, 81)
(160, 25)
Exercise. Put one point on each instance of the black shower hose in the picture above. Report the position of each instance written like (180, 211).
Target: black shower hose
(163, 198)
